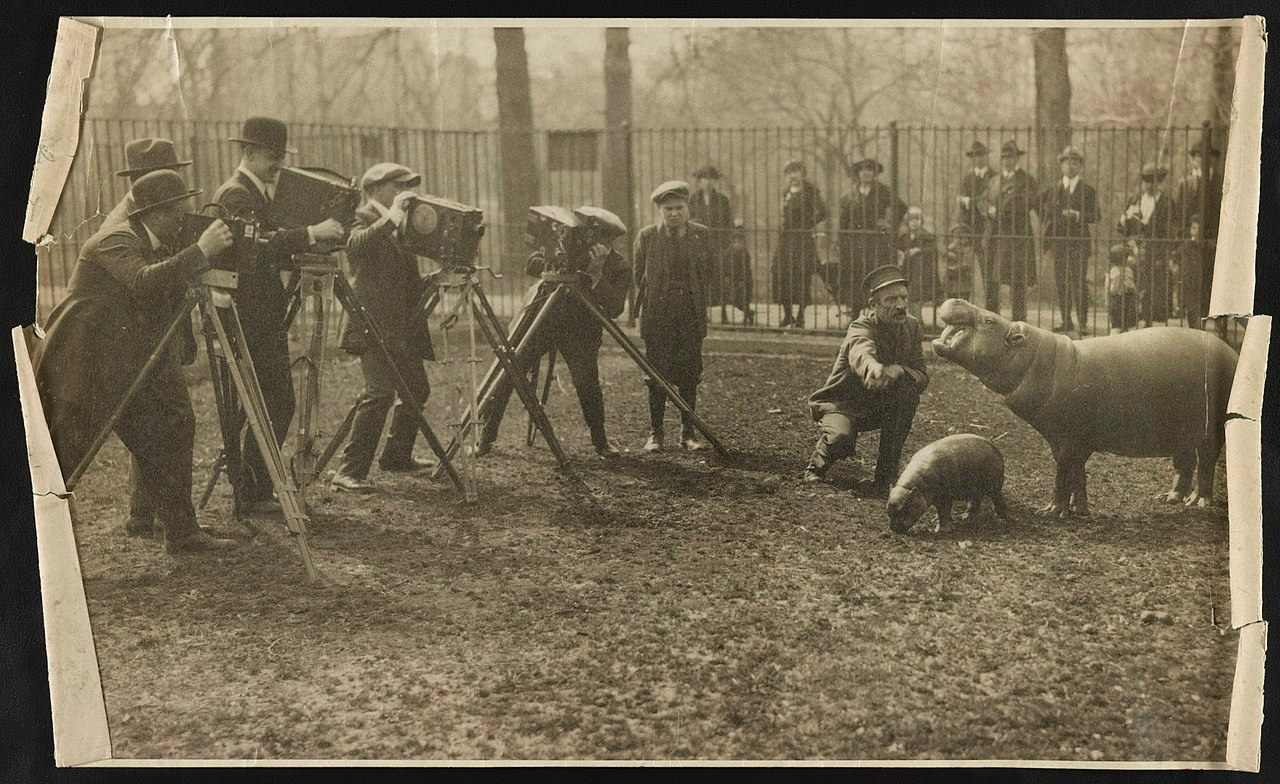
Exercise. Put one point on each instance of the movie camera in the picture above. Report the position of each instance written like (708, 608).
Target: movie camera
(444, 230)
(565, 237)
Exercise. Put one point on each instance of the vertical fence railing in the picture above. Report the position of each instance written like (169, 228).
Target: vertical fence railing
(923, 166)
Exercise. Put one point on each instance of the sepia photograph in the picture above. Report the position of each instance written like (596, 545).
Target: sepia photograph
(512, 391)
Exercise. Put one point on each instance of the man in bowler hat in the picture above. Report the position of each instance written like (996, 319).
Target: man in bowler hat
(127, 288)
(875, 383)
(1148, 222)
(1009, 200)
(671, 261)
(144, 156)
(1069, 209)
(260, 295)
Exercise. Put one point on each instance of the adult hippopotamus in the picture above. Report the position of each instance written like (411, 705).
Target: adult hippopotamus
(1156, 392)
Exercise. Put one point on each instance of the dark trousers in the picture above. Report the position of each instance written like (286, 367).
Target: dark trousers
(1153, 283)
(371, 413)
(1122, 309)
(158, 429)
(676, 353)
(892, 415)
(580, 353)
(1012, 258)
(1070, 264)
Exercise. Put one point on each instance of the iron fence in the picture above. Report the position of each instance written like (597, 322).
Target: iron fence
(923, 165)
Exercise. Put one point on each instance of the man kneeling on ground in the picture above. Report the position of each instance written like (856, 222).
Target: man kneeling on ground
(875, 383)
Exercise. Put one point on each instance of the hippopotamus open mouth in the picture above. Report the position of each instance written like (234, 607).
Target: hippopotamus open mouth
(959, 317)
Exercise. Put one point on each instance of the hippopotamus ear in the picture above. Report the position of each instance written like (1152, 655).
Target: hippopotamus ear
(1017, 334)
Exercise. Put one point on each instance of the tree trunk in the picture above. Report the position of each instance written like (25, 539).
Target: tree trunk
(1053, 98)
(1225, 52)
(515, 129)
(618, 196)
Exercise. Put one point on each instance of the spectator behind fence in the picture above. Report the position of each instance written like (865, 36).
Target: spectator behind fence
(1198, 202)
(1121, 290)
(918, 257)
(797, 255)
(1009, 201)
(1194, 264)
(1069, 209)
(973, 188)
(958, 263)
(868, 219)
(1148, 222)
(711, 208)
(736, 270)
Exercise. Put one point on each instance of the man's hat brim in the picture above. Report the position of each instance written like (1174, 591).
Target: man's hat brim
(135, 213)
(141, 170)
(285, 149)
(885, 284)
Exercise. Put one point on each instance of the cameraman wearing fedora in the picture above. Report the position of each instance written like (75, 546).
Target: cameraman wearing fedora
(388, 283)
(573, 332)
(260, 295)
(144, 156)
(125, 291)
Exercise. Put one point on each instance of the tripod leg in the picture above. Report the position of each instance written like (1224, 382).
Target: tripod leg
(229, 420)
(502, 349)
(218, 468)
(331, 448)
(303, 465)
(356, 311)
(621, 337)
(496, 371)
(240, 364)
(546, 390)
(157, 355)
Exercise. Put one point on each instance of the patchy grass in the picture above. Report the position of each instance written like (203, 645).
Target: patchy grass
(668, 606)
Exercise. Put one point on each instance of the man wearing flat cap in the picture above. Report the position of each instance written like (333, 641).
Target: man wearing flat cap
(1069, 209)
(869, 218)
(144, 156)
(1009, 200)
(260, 295)
(671, 261)
(875, 383)
(1147, 221)
(125, 291)
(388, 283)
(796, 258)
(709, 206)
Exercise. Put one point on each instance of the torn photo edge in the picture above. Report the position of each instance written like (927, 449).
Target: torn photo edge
(81, 734)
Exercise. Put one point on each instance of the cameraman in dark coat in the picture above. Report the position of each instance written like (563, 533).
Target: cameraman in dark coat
(572, 332)
(260, 296)
(672, 258)
(388, 284)
(125, 291)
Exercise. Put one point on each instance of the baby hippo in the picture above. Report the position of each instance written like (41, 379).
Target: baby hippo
(956, 468)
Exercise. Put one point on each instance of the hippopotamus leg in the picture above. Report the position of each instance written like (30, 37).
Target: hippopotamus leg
(997, 500)
(1184, 469)
(1206, 465)
(1070, 494)
(944, 515)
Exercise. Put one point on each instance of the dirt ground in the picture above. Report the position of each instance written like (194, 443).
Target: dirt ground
(670, 606)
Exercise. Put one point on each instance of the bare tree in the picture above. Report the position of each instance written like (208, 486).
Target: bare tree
(1053, 96)
(515, 126)
(617, 114)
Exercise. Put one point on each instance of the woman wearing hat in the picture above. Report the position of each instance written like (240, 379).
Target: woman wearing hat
(123, 296)
(710, 207)
(1147, 221)
(869, 217)
(797, 256)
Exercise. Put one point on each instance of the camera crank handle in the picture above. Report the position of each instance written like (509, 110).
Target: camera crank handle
(489, 269)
